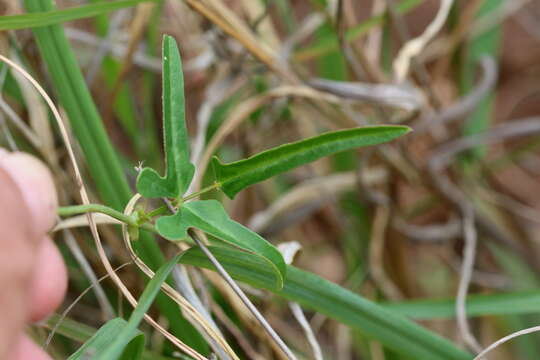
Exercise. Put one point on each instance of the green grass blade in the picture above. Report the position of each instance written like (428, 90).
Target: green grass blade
(113, 350)
(119, 339)
(331, 65)
(477, 305)
(487, 43)
(105, 169)
(70, 328)
(125, 102)
(105, 336)
(81, 333)
(330, 43)
(393, 330)
(75, 98)
(238, 175)
(210, 217)
(179, 169)
(51, 17)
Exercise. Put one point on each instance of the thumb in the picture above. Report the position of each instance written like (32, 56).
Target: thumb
(27, 212)
(35, 185)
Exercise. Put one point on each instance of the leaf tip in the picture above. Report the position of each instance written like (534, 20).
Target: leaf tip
(167, 39)
(406, 129)
(399, 130)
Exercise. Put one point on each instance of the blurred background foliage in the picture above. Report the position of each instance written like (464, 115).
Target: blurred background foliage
(389, 223)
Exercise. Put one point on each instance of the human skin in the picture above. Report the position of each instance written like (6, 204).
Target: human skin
(33, 277)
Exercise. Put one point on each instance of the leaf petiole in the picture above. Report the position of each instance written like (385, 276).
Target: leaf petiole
(65, 211)
(214, 186)
(159, 211)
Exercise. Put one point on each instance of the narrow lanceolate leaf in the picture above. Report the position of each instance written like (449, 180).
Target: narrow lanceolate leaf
(238, 175)
(179, 170)
(121, 339)
(394, 331)
(105, 336)
(44, 18)
(210, 217)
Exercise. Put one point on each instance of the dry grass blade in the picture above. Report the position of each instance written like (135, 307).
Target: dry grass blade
(76, 251)
(436, 233)
(467, 267)
(446, 220)
(524, 211)
(73, 303)
(39, 118)
(485, 23)
(143, 13)
(184, 286)
(319, 190)
(82, 221)
(259, 16)
(374, 38)
(401, 96)
(512, 129)
(226, 20)
(289, 251)
(301, 318)
(10, 140)
(103, 46)
(376, 252)
(482, 355)
(84, 197)
(243, 110)
(116, 48)
(20, 124)
(187, 308)
(308, 26)
(437, 164)
(465, 105)
(413, 47)
(216, 93)
(232, 284)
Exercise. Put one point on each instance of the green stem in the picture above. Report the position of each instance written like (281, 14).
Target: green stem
(200, 192)
(159, 211)
(97, 208)
(130, 220)
(163, 209)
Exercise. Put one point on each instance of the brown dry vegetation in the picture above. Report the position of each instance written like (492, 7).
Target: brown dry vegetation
(387, 222)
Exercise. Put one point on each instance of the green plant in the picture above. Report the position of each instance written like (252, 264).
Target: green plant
(119, 338)
(103, 161)
(50, 17)
(246, 255)
(379, 223)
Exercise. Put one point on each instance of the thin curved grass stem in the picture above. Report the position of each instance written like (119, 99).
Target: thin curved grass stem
(221, 270)
(85, 199)
(244, 298)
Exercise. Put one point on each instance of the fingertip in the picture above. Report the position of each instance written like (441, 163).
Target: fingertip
(36, 185)
(49, 284)
(26, 349)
